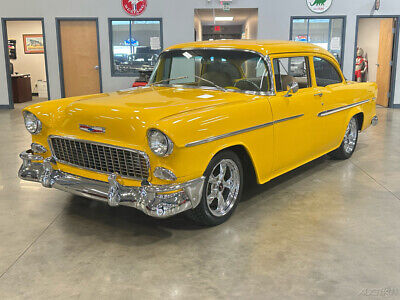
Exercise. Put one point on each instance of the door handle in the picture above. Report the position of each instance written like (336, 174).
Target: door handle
(319, 94)
(96, 67)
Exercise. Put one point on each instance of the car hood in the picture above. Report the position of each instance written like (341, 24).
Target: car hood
(129, 113)
(149, 103)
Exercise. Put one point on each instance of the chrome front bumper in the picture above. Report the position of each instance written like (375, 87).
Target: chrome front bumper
(159, 201)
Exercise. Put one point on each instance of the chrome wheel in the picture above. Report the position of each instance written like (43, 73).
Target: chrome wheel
(350, 137)
(223, 187)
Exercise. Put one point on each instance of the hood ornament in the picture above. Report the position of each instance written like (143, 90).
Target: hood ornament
(92, 129)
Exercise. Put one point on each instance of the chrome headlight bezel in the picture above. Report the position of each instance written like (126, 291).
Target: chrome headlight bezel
(32, 123)
(163, 147)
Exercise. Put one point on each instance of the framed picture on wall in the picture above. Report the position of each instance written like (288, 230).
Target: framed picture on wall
(33, 43)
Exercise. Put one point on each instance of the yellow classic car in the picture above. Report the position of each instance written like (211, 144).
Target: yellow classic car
(212, 114)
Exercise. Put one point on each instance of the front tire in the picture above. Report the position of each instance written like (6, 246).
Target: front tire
(349, 143)
(222, 190)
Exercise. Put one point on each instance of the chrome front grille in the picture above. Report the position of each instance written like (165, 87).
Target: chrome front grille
(100, 157)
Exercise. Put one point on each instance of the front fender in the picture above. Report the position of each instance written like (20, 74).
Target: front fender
(188, 162)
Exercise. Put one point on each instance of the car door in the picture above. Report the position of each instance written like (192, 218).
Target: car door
(296, 125)
(330, 88)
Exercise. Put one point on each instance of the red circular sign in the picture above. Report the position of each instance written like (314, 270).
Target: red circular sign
(134, 7)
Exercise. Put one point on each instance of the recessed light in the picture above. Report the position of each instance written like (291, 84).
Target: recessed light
(223, 19)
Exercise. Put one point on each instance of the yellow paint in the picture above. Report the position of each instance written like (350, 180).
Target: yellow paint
(188, 115)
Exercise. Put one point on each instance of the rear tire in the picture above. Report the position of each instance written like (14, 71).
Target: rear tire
(349, 143)
(222, 190)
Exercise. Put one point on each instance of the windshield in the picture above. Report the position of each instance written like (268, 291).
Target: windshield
(222, 69)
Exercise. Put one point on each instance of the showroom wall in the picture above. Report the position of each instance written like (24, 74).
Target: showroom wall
(32, 64)
(178, 16)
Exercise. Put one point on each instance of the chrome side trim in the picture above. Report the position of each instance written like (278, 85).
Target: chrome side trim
(335, 110)
(222, 136)
(288, 118)
(96, 143)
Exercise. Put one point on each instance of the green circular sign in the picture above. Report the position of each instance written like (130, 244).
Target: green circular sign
(319, 6)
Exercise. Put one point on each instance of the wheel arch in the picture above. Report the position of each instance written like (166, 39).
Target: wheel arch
(360, 120)
(358, 113)
(249, 168)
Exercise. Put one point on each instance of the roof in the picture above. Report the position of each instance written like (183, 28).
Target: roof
(262, 46)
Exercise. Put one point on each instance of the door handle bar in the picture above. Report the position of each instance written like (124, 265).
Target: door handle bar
(318, 94)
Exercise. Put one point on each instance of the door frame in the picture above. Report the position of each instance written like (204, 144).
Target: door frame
(7, 59)
(59, 50)
(343, 37)
(392, 84)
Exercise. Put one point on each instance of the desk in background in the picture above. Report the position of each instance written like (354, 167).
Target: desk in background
(21, 87)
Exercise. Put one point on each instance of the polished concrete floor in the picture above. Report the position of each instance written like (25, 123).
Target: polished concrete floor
(330, 229)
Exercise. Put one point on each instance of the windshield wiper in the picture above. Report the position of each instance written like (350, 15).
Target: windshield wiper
(213, 83)
(169, 79)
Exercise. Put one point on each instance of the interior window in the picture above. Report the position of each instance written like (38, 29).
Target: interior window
(327, 33)
(291, 69)
(325, 72)
(135, 44)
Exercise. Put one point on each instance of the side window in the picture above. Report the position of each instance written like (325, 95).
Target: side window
(291, 69)
(325, 72)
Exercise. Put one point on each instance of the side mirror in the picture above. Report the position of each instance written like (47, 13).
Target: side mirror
(292, 88)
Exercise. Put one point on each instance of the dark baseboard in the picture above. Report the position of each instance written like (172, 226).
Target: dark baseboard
(396, 105)
(35, 94)
(3, 106)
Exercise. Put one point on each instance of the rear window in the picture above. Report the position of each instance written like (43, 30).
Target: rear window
(325, 72)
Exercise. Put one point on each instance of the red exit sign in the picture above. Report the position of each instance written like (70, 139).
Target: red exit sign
(217, 28)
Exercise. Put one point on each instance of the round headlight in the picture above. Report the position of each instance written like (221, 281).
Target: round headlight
(32, 124)
(159, 143)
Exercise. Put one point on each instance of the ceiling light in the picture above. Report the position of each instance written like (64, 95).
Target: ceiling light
(187, 55)
(223, 19)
